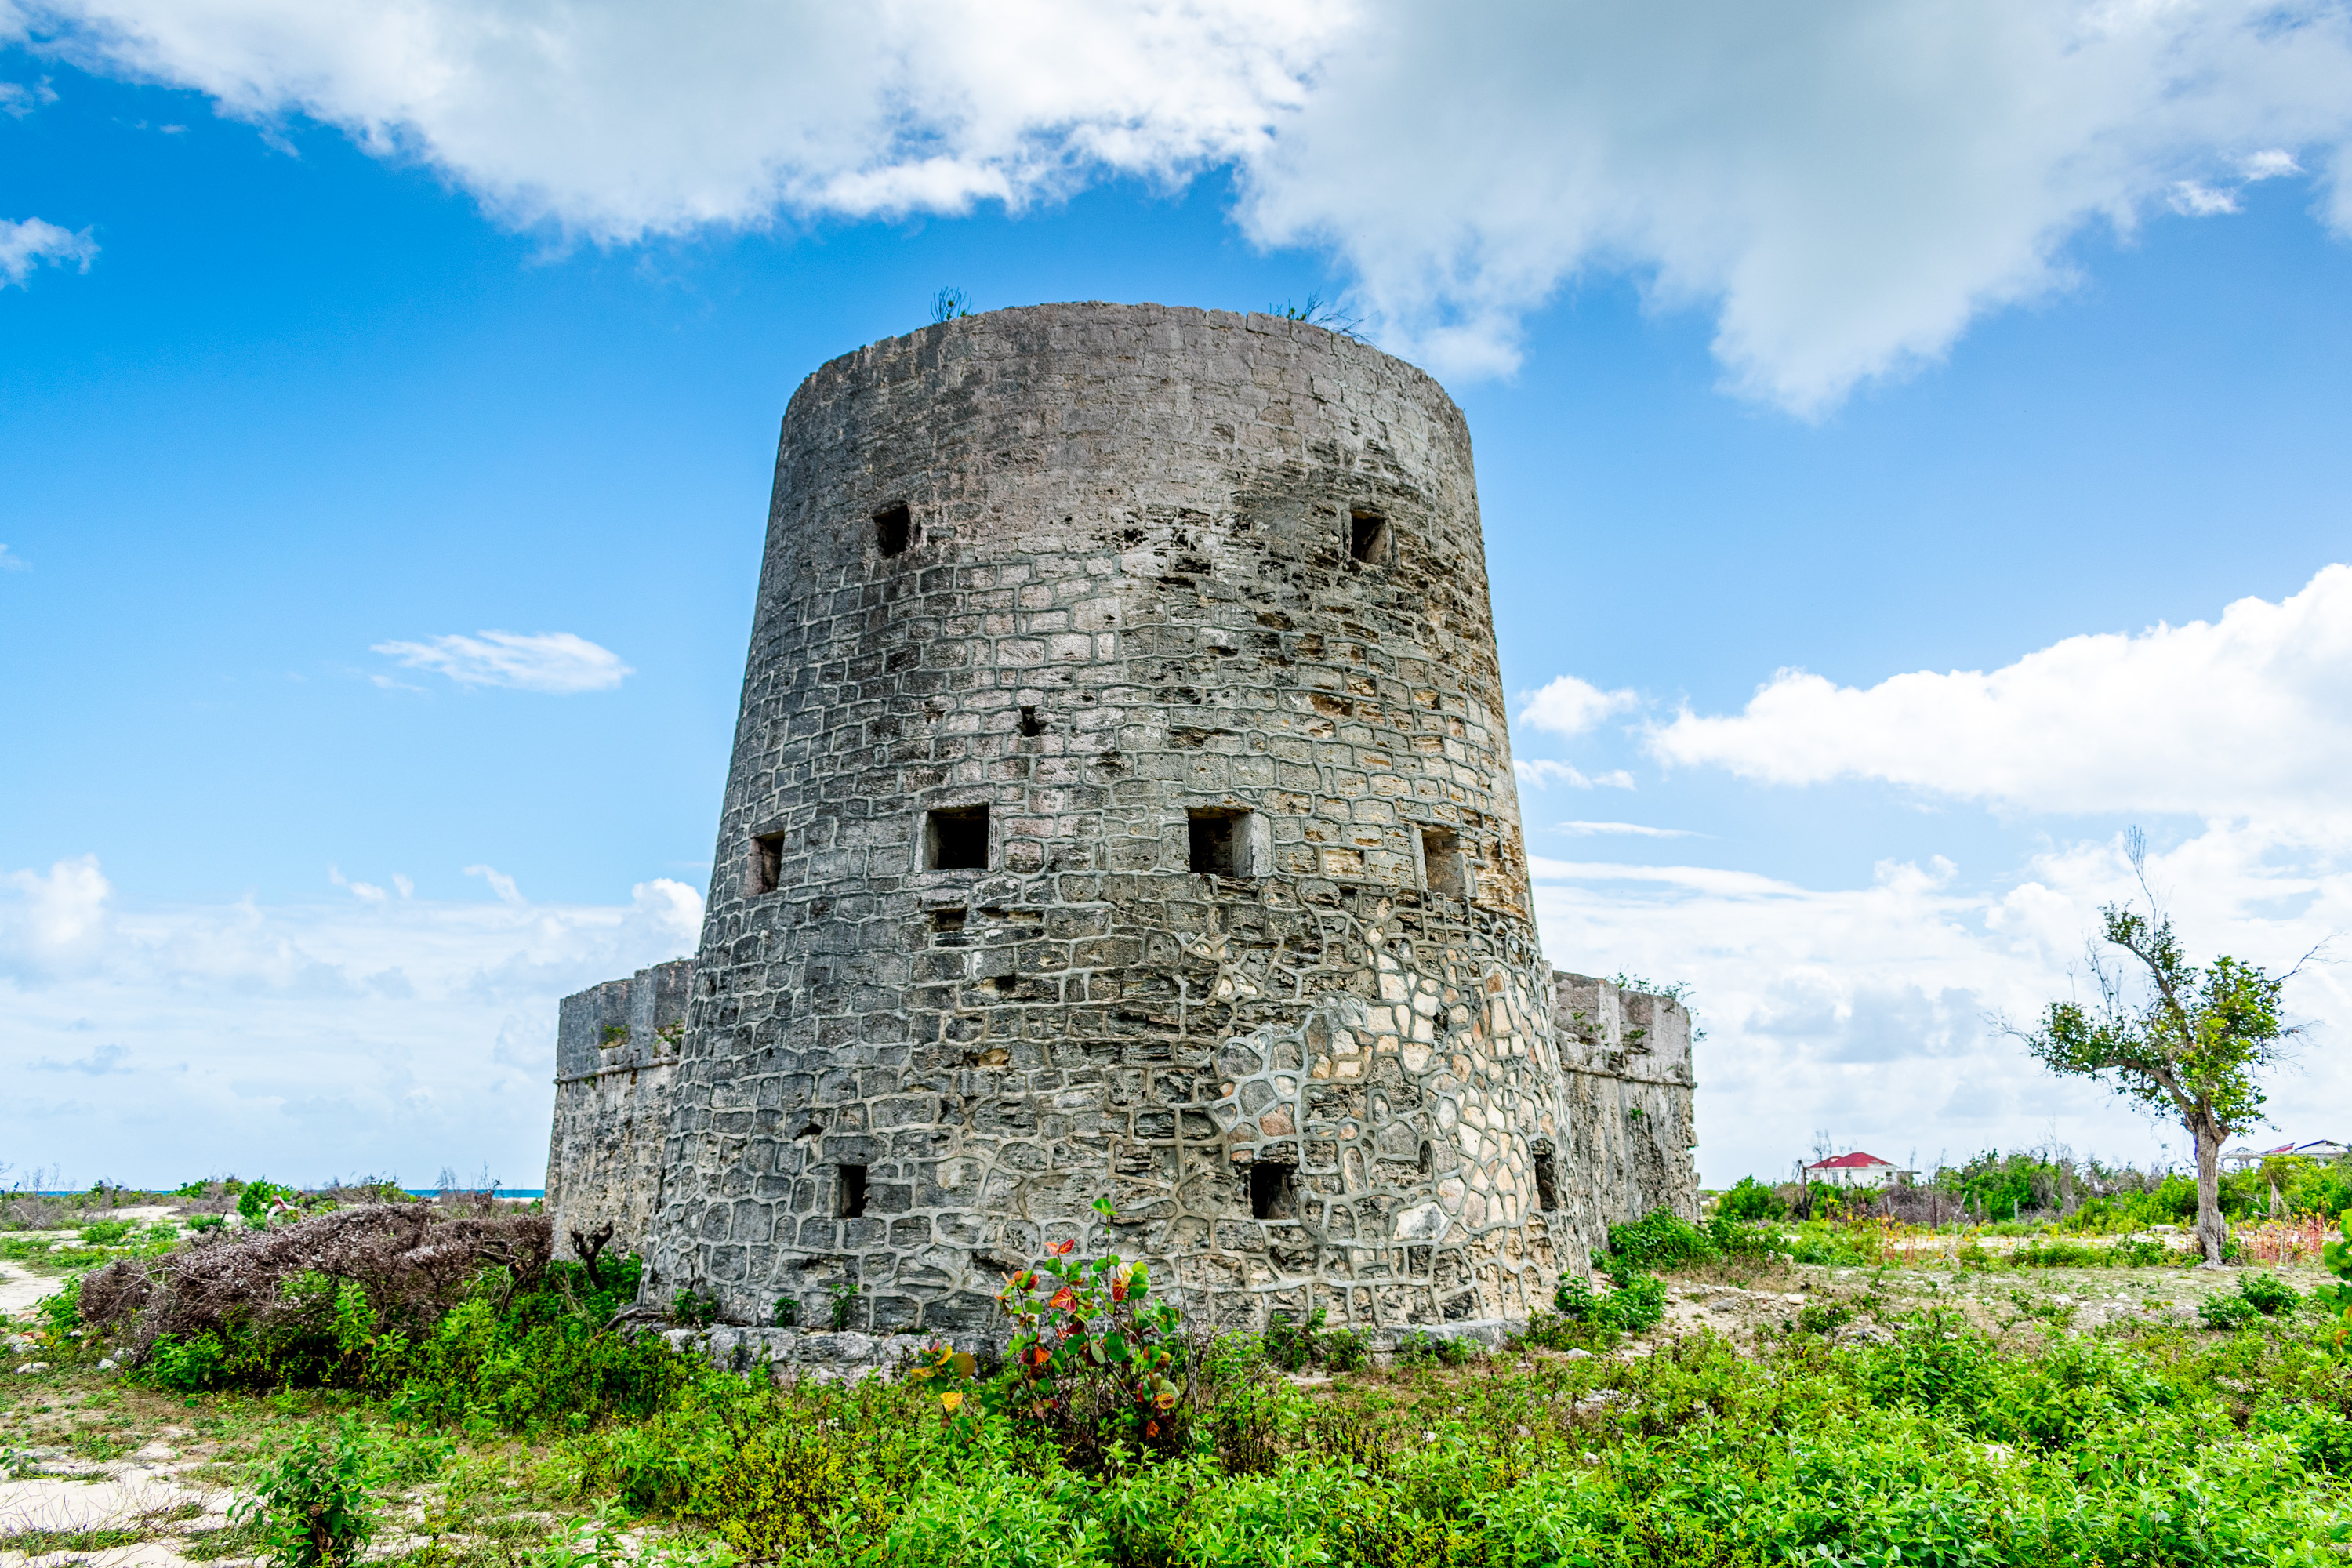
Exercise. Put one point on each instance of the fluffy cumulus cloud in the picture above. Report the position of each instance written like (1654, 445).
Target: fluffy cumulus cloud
(2248, 715)
(556, 662)
(368, 1033)
(1843, 184)
(27, 245)
(1867, 1011)
(1874, 1013)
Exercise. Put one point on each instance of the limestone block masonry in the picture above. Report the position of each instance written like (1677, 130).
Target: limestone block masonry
(1121, 807)
(616, 1049)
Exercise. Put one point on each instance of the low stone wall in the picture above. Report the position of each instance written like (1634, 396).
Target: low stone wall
(1626, 1068)
(616, 1059)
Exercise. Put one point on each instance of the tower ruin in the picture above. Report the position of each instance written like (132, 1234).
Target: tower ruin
(1121, 807)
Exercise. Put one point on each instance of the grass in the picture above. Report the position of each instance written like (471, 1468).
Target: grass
(1970, 1414)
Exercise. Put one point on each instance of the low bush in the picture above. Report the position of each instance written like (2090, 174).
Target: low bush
(1749, 1199)
(1636, 1306)
(312, 1498)
(1660, 1239)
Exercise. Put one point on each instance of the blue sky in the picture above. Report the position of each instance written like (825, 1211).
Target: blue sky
(308, 354)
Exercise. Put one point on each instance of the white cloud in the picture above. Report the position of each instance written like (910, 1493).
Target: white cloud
(555, 662)
(9, 562)
(1843, 186)
(1570, 707)
(2192, 198)
(26, 244)
(303, 1040)
(17, 100)
(366, 892)
(1865, 1010)
(1538, 771)
(1625, 829)
(2247, 715)
(500, 883)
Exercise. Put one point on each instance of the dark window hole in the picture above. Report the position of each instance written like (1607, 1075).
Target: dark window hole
(893, 528)
(851, 1191)
(767, 866)
(1003, 983)
(1274, 1191)
(947, 921)
(1031, 724)
(1368, 537)
(1219, 843)
(957, 839)
(1442, 863)
(1547, 1180)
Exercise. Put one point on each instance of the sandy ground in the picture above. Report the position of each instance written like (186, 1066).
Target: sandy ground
(73, 1496)
(20, 1287)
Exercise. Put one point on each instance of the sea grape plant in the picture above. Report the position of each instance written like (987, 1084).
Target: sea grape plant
(1093, 1357)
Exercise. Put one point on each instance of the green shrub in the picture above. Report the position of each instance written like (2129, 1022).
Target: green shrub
(2227, 1311)
(107, 1232)
(1637, 1305)
(2270, 1294)
(1660, 1239)
(1750, 1199)
(1416, 1347)
(311, 1497)
(767, 1499)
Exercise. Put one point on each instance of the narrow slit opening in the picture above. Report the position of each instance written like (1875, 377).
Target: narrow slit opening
(1547, 1180)
(1031, 725)
(894, 529)
(852, 1192)
(766, 868)
(1368, 538)
(1442, 869)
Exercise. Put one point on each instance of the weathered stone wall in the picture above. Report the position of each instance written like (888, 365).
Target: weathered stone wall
(1626, 1063)
(1155, 562)
(616, 1049)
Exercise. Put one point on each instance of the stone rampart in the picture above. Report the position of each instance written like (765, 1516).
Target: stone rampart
(616, 1047)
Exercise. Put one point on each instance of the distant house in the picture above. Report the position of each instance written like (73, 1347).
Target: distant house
(1857, 1170)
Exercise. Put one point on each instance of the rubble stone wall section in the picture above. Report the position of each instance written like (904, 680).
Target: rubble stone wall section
(1098, 569)
(616, 1049)
(1625, 1059)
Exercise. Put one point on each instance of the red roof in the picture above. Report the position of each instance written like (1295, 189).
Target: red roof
(1853, 1162)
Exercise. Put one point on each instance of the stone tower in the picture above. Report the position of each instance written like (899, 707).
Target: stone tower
(1120, 806)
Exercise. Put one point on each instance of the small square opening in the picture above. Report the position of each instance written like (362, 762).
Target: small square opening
(1547, 1179)
(1443, 870)
(850, 1192)
(894, 529)
(956, 840)
(1222, 843)
(766, 867)
(949, 923)
(1031, 725)
(1368, 538)
(1273, 1192)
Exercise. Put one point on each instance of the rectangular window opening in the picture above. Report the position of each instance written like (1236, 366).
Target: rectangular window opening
(1442, 868)
(1031, 725)
(1368, 538)
(767, 864)
(851, 1191)
(947, 923)
(956, 840)
(1222, 843)
(1547, 1180)
(894, 530)
(1273, 1192)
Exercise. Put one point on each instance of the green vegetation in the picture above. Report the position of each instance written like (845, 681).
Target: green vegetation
(1901, 1417)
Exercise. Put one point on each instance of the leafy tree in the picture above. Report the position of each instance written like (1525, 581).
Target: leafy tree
(2179, 1040)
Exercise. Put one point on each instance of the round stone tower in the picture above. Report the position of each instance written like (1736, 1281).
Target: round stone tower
(1121, 807)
